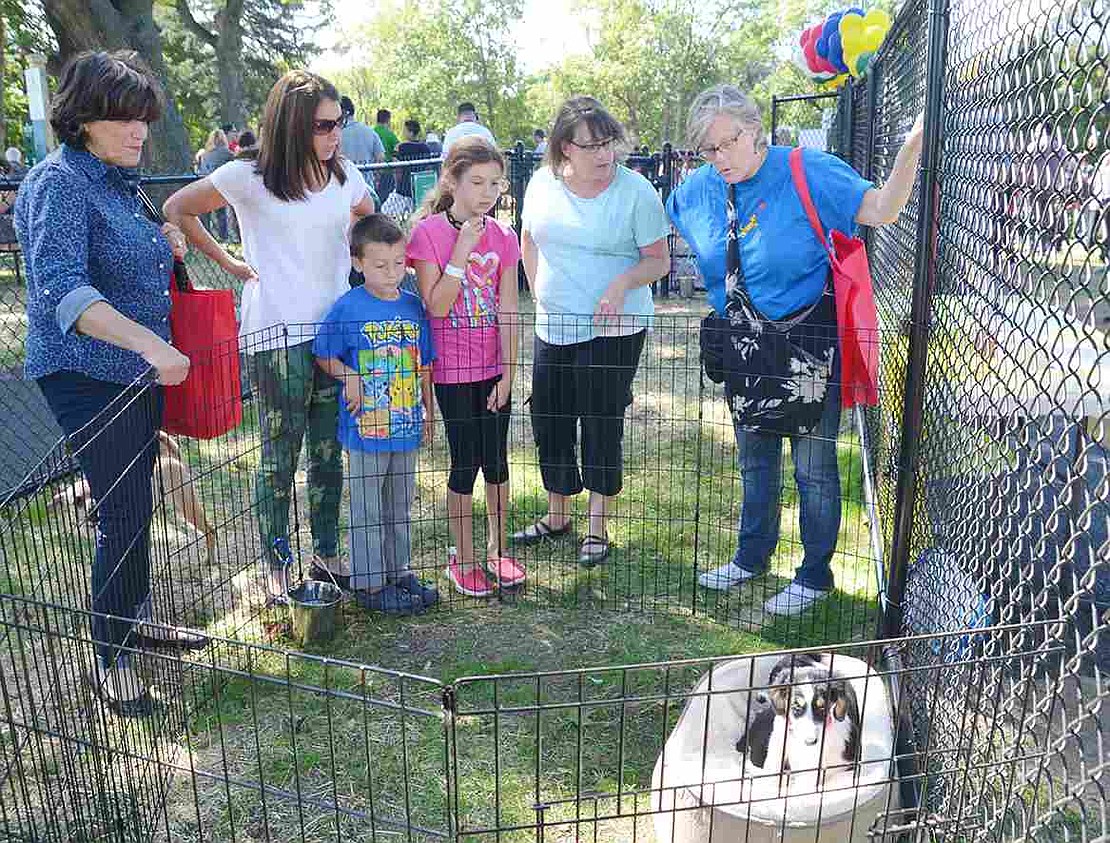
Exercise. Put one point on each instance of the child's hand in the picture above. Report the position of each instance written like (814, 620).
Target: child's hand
(471, 232)
(352, 393)
(499, 395)
(429, 429)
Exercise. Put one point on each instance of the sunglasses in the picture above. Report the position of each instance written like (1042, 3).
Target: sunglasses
(326, 127)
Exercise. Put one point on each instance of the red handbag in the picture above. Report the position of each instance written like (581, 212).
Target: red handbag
(857, 322)
(209, 402)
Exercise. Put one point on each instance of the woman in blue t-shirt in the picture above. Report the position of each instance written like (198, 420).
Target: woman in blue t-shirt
(785, 271)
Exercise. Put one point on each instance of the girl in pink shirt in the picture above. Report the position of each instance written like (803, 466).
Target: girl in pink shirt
(466, 267)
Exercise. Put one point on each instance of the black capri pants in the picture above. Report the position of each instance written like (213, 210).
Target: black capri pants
(589, 383)
(476, 437)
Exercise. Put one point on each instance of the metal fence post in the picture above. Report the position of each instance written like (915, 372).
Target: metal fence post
(519, 182)
(774, 118)
(519, 174)
(664, 194)
(920, 320)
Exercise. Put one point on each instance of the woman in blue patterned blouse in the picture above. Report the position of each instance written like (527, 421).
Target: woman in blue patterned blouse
(97, 310)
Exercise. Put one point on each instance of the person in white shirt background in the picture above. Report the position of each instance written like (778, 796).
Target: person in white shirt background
(468, 124)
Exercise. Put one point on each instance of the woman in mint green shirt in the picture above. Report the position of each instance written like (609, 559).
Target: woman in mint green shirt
(594, 238)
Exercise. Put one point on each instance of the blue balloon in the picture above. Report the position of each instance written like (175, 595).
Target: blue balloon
(832, 24)
(836, 52)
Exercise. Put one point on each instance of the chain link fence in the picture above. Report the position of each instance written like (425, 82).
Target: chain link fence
(992, 438)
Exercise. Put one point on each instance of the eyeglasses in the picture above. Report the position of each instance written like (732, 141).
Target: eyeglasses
(596, 146)
(326, 127)
(708, 152)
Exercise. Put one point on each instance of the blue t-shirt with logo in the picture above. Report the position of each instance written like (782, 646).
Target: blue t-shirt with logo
(387, 343)
(785, 267)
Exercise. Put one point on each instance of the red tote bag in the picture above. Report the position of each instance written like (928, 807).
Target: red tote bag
(209, 402)
(857, 322)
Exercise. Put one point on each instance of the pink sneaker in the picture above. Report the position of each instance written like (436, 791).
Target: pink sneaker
(472, 583)
(506, 570)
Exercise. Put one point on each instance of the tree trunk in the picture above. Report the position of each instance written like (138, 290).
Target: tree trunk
(229, 49)
(123, 24)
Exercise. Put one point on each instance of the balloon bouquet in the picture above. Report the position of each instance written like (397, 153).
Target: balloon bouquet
(841, 45)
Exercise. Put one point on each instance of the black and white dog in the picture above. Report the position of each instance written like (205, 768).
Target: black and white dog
(805, 728)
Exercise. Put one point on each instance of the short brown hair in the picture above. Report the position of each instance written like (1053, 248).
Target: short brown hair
(285, 150)
(103, 86)
(574, 112)
(375, 228)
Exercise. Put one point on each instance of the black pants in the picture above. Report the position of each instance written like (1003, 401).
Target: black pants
(588, 382)
(113, 431)
(476, 437)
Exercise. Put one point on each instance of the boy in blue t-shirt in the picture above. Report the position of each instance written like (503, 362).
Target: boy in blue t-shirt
(378, 342)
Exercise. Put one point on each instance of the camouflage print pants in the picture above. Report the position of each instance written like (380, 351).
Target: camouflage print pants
(295, 397)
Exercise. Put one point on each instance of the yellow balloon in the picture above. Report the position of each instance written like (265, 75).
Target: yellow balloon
(860, 38)
(833, 84)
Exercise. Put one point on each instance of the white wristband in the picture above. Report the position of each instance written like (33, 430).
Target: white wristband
(453, 271)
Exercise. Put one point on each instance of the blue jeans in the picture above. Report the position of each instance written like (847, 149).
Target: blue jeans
(759, 456)
(113, 432)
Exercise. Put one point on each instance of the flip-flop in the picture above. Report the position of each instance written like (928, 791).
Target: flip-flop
(587, 559)
(537, 532)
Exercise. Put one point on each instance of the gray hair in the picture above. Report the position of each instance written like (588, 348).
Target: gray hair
(727, 100)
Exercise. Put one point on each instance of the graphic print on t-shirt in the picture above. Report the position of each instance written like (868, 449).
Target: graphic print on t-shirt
(390, 380)
(479, 293)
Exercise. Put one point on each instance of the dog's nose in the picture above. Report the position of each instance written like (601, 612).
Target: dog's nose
(811, 740)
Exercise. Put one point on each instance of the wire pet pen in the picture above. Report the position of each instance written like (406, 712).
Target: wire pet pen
(986, 463)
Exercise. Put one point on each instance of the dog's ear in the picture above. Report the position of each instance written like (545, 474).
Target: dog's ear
(840, 705)
(757, 739)
(780, 699)
(843, 698)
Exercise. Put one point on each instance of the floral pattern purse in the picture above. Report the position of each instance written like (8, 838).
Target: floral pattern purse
(776, 373)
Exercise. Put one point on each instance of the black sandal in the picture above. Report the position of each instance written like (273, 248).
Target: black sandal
(157, 637)
(586, 558)
(141, 706)
(319, 571)
(537, 532)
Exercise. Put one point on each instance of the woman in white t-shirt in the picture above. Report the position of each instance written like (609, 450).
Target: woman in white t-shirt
(295, 198)
(594, 238)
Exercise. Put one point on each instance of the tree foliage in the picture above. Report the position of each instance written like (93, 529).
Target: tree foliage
(645, 59)
(226, 54)
(420, 60)
(649, 58)
(23, 31)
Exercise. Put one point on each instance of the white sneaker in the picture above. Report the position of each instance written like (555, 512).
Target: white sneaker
(724, 577)
(793, 600)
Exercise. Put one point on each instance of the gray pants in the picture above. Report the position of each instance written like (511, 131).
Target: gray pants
(382, 485)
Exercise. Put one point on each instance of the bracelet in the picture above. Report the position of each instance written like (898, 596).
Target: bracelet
(452, 271)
